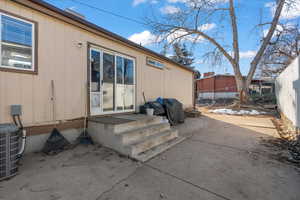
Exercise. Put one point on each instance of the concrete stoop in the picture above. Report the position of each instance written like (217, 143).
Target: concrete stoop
(140, 137)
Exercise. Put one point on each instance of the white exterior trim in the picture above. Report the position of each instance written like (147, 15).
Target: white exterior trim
(217, 95)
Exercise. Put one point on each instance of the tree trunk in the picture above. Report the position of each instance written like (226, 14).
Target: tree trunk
(243, 89)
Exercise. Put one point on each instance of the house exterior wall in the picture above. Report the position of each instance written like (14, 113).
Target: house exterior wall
(287, 87)
(60, 59)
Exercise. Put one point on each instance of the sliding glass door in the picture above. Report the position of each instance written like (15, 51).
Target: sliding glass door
(112, 82)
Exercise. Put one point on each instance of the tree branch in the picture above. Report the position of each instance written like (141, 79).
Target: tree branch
(266, 41)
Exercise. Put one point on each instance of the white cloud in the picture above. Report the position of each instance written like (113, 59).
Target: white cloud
(277, 30)
(144, 38)
(183, 35)
(179, 34)
(191, 3)
(187, 1)
(170, 10)
(169, 55)
(291, 12)
(247, 54)
(137, 2)
(207, 27)
(177, 1)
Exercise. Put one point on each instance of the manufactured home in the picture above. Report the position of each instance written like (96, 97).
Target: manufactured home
(60, 67)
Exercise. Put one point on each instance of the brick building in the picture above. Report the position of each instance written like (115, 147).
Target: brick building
(213, 86)
(223, 86)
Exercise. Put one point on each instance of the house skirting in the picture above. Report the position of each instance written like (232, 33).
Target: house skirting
(37, 135)
(35, 143)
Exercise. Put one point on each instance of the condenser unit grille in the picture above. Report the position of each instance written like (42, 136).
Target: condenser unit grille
(9, 147)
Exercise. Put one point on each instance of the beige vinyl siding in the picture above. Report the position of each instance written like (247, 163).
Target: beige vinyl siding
(61, 60)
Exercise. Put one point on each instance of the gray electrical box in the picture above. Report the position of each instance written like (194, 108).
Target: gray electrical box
(16, 110)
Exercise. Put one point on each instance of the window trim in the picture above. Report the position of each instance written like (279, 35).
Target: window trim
(34, 24)
(155, 66)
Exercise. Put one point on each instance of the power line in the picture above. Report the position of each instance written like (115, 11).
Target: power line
(108, 12)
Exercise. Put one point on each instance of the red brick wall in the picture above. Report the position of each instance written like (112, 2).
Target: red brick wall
(217, 84)
(225, 84)
(205, 85)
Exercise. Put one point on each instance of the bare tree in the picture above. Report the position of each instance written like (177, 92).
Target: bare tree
(283, 48)
(190, 23)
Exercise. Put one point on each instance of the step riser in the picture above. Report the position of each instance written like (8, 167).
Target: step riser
(117, 129)
(141, 134)
(148, 144)
(158, 150)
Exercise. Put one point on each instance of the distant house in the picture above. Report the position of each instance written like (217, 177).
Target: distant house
(223, 86)
(214, 86)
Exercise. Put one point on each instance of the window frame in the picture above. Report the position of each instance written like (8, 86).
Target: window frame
(34, 35)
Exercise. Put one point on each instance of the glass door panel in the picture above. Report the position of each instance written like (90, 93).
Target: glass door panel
(128, 84)
(108, 86)
(125, 88)
(120, 89)
(95, 81)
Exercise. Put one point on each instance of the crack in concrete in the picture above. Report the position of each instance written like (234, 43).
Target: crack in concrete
(186, 181)
(116, 184)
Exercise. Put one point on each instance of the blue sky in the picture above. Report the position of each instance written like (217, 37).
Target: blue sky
(248, 15)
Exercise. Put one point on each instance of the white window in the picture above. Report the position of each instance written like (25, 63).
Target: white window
(155, 63)
(16, 43)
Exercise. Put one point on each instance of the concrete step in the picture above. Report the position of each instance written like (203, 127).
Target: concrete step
(144, 156)
(152, 141)
(140, 134)
(146, 121)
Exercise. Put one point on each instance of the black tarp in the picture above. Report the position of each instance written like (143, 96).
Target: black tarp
(174, 111)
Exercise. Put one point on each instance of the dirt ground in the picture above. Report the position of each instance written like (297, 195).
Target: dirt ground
(223, 158)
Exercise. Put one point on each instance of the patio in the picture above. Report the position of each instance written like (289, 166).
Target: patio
(221, 160)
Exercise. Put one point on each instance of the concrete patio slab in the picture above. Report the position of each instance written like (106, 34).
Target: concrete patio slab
(231, 173)
(81, 173)
(150, 184)
(221, 159)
